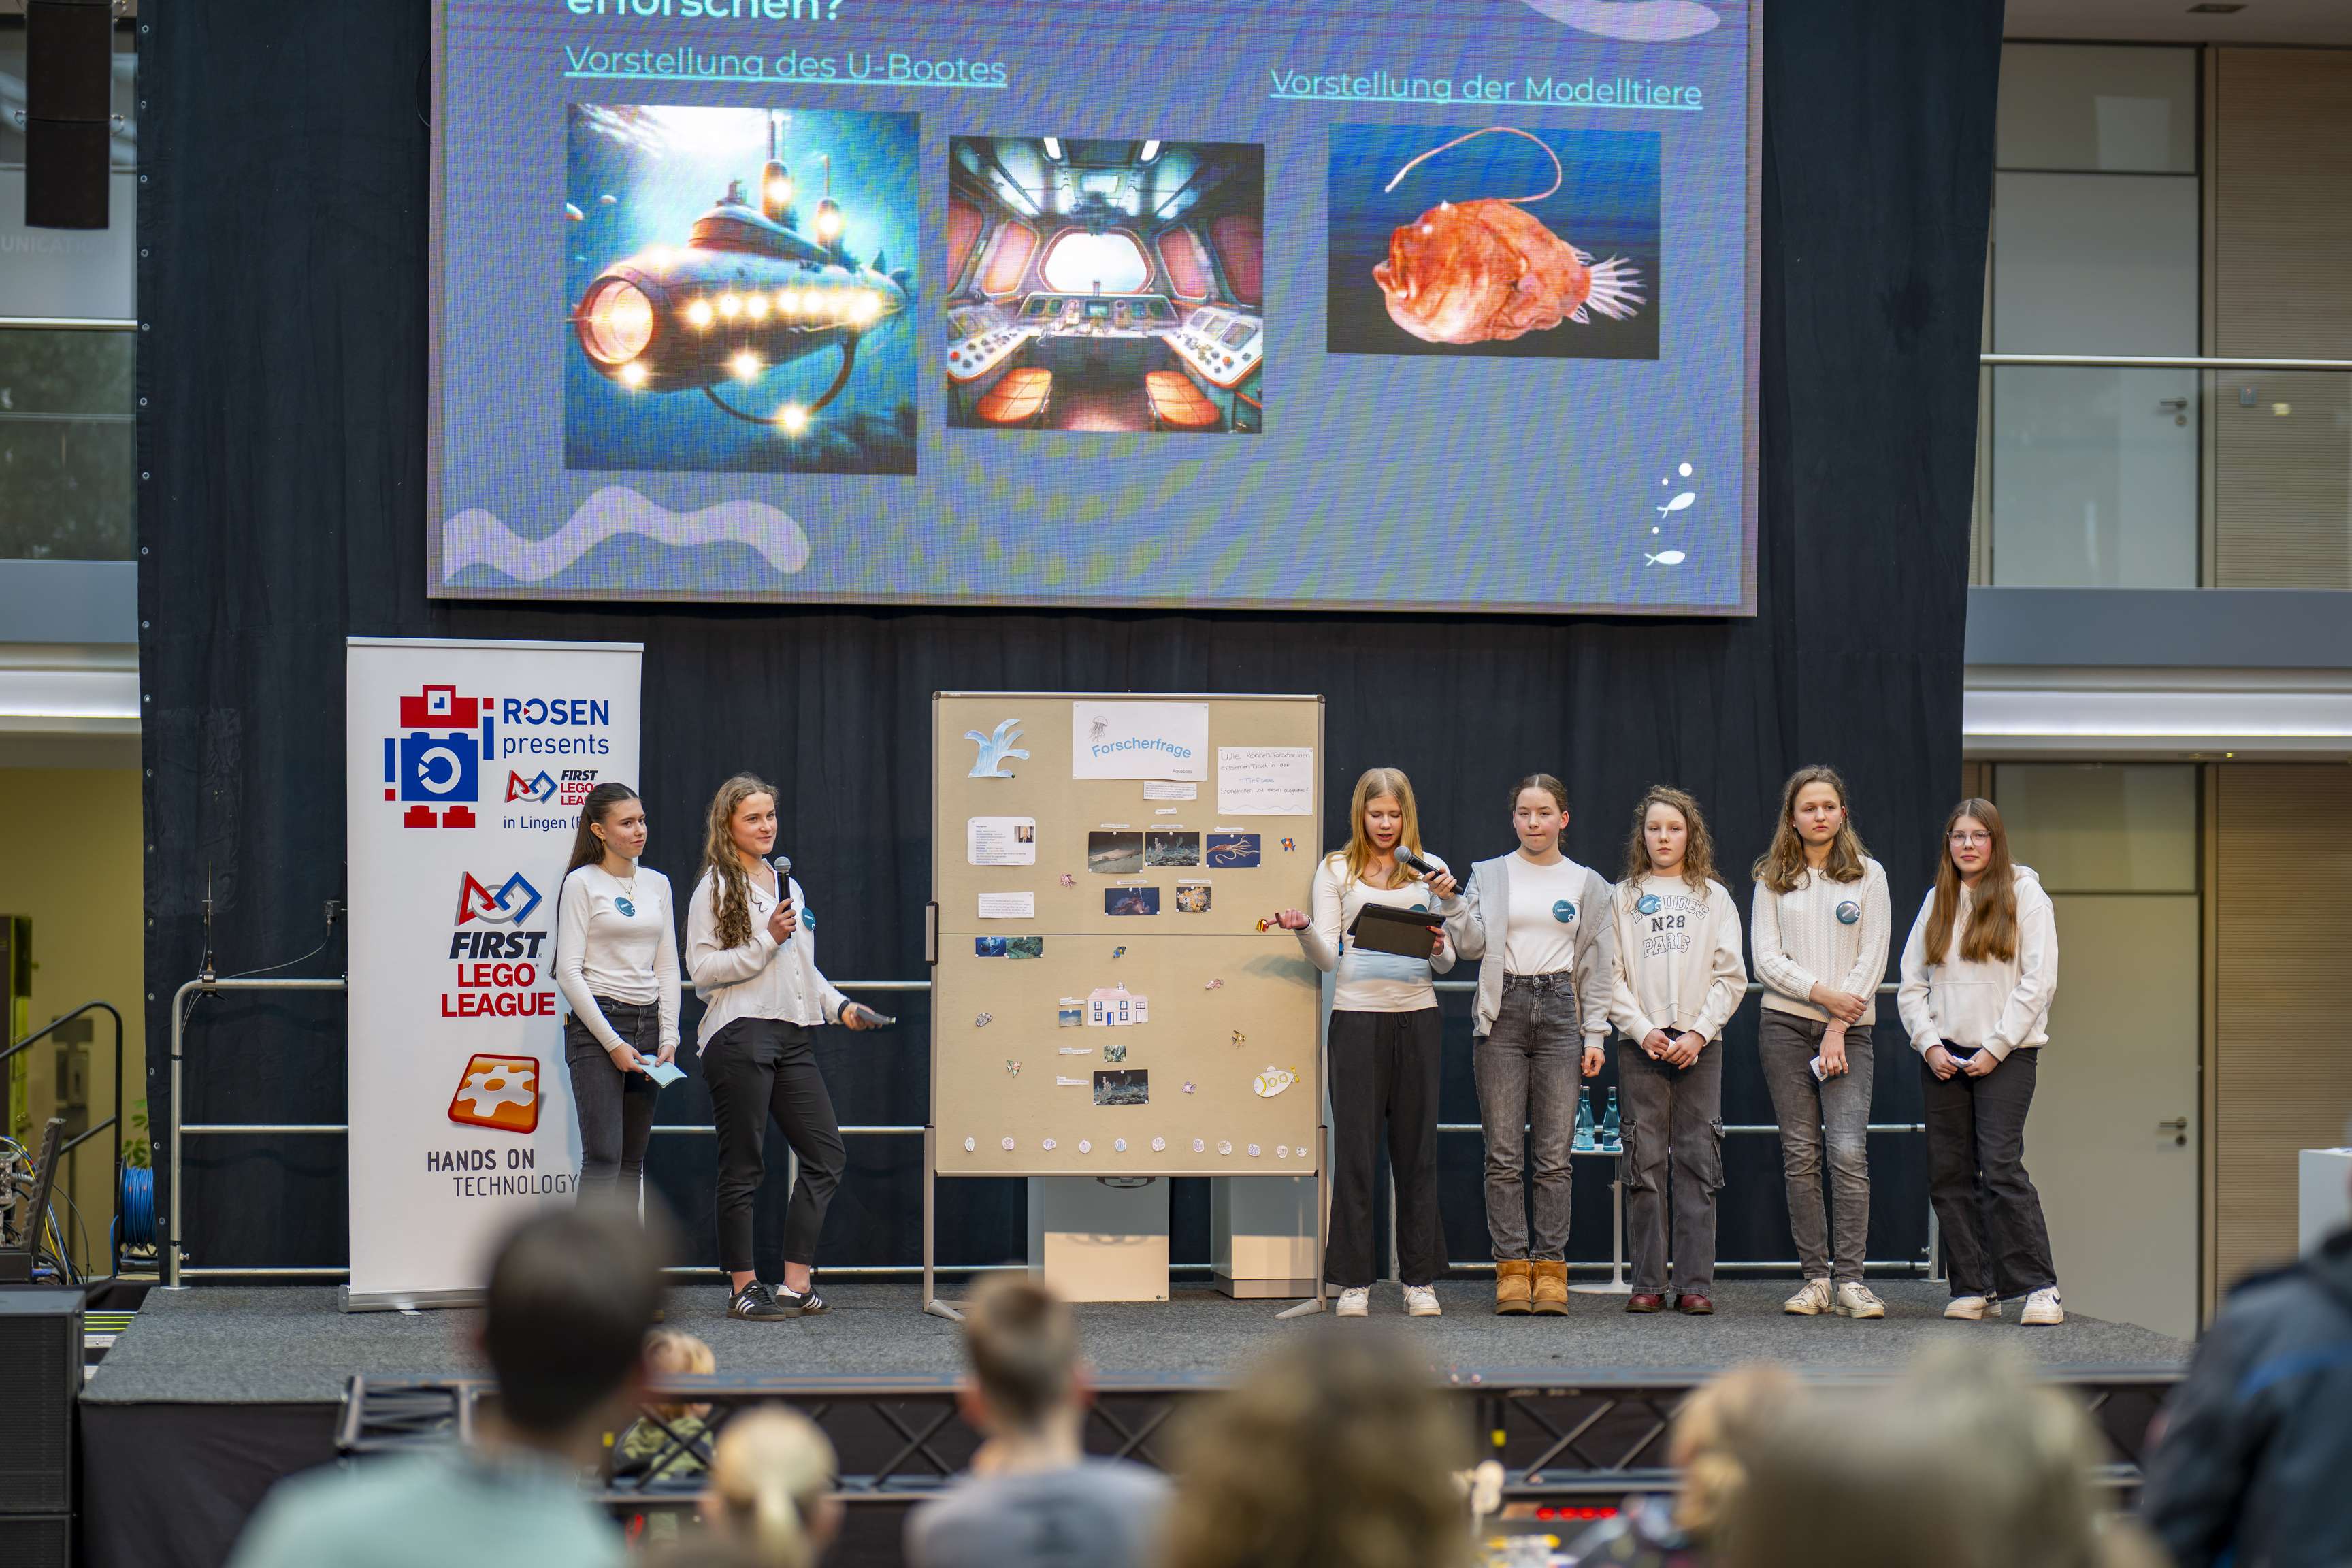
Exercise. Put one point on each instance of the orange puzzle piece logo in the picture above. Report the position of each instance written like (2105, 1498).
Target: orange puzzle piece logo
(498, 1091)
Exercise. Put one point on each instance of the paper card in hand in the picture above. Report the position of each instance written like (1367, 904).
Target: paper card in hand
(1410, 933)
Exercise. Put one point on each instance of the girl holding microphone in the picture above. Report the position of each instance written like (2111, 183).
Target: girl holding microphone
(1979, 971)
(617, 965)
(1384, 1043)
(1678, 979)
(1819, 928)
(750, 947)
(1538, 923)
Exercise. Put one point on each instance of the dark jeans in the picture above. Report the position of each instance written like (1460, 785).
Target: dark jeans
(1836, 1111)
(1673, 1123)
(759, 1067)
(1977, 1180)
(615, 1108)
(1530, 1067)
(1384, 1065)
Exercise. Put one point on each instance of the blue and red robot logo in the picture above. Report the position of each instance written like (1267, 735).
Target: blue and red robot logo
(435, 764)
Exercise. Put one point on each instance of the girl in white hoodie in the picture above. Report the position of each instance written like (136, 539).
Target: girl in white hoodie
(1678, 978)
(1979, 973)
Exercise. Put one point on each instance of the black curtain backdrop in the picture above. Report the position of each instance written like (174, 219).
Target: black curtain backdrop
(281, 448)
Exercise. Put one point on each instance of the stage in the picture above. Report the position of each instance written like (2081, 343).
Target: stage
(214, 1391)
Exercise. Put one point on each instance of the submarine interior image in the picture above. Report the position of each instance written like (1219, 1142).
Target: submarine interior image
(1105, 285)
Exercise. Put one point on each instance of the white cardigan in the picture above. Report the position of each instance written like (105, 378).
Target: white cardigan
(1998, 1006)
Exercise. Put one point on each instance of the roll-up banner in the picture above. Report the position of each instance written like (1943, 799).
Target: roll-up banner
(468, 764)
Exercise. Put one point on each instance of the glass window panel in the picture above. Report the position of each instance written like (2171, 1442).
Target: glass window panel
(2097, 108)
(1081, 263)
(66, 445)
(2102, 828)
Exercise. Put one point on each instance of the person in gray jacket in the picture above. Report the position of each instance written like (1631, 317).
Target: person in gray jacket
(1539, 925)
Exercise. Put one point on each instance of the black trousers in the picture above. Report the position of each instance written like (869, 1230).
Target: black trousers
(759, 1067)
(615, 1108)
(1977, 1180)
(1384, 1065)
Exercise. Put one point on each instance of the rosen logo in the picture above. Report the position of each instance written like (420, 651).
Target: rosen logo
(435, 765)
(499, 1092)
(510, 905)
(541, 788)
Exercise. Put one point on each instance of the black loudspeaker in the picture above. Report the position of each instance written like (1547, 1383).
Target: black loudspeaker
(68, 92)
(41, 1378)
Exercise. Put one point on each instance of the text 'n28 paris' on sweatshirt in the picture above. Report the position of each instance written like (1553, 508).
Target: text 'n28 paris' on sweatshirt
(1995, 1005)
(1678, 963)
(1821, 932)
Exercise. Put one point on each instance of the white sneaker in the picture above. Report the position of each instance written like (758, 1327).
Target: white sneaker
(1855, 1299)
(2041, 1308)
(1354, 1302)
(1809, 1302)
(1974, 1309)
(1420, 1302)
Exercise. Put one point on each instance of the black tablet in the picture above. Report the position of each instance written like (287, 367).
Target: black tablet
(1409, 934)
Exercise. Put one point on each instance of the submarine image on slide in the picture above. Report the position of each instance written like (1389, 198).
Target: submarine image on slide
(749, 292)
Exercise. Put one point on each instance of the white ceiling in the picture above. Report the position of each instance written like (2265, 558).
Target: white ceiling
(2261, 22)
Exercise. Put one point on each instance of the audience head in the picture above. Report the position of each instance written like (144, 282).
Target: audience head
(669, 1353)
(1021, 1341)
(1338, 1450)
(1968, 1462)
(771, 1487)
(1712, 1429)
(570, 1295)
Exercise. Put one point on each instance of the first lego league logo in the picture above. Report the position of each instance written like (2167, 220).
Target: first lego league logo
(434, 766)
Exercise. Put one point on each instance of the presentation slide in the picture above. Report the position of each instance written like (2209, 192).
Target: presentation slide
(1409, 305)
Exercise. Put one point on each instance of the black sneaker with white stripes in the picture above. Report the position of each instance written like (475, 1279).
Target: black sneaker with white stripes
(756, 1303)
(807, 1304)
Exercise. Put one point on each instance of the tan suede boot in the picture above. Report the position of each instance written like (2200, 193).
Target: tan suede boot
(1550, 1287)
(1511, 1287)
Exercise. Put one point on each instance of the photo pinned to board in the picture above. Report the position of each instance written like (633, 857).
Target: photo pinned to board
(988, 947)
(1166, 847)
(1114, 853)
(1070, 1013)
(1231, 851)
(1191, 898)
(1024, 947)
(1123, 1086)
(1115, 1051)
(1130, 902)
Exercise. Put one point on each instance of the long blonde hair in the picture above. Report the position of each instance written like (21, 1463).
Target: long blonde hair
(769, 1470)
(730, 900)
(1332, 1449)
(1710, 1430)
(1374, 784)
(1992, 915)
(1780, 866)
(1698, 857)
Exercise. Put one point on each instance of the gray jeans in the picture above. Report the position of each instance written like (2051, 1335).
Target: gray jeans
(1528, 1071)
(1672, 1121)
(1835, 1110)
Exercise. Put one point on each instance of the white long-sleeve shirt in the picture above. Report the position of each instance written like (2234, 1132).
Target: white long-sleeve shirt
(759, 979)
(615, 939)
(1835, 934)
(1996, 1004)
(1370, 982)
(1678, 967)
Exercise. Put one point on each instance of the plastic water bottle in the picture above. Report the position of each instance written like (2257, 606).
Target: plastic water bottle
(1612, 1139)
(1584, 1120)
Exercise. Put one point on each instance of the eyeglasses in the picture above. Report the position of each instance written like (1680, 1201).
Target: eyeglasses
(1964, 840)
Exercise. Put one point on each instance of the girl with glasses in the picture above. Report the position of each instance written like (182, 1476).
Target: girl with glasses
(1979, 973)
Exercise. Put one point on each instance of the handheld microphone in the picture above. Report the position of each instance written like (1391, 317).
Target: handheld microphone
(784, 865)
(1412, 860)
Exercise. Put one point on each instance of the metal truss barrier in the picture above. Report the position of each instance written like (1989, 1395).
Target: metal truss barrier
(178, 1271)
(1589, 1436)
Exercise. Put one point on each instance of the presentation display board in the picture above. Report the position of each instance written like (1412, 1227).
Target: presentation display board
(466, 766)
(1103, 1001)
(1419, 305)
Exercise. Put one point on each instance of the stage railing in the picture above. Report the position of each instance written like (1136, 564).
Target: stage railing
(177, 1271)
(67, 1148)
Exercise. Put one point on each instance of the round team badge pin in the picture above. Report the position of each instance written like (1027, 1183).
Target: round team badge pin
(1647, 903)
(1563, 911)
(628, 910)
(1848, 913)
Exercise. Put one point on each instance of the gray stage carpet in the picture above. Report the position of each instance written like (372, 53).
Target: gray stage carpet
(247, 1346)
